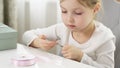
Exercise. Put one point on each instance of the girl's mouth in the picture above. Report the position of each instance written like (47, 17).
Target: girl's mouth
(71, 26)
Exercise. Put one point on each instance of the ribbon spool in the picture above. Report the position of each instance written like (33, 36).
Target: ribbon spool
(24, 60)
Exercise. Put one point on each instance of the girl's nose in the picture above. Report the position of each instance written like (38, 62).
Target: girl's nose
(70, 19)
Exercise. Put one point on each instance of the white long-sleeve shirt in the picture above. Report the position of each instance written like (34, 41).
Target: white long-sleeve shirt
(98, 50)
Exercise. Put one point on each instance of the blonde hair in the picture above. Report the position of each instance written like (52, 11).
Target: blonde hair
(87, 3)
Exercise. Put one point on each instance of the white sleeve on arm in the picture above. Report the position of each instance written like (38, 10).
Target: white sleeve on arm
(30, 35)
(104, 54)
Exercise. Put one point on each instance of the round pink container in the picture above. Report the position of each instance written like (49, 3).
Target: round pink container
(24, 60)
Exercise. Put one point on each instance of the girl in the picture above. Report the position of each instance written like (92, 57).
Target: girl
(82, 38)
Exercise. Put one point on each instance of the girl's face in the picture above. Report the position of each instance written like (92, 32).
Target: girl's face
(75, 16)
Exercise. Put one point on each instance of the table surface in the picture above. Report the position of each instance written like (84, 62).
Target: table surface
(46, 60)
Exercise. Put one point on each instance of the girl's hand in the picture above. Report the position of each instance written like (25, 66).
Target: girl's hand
(43, 43)
(72, 52)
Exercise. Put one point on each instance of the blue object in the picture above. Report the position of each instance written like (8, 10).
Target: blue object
(8, 37)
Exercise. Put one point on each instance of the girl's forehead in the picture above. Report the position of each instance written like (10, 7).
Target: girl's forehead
(72, 4)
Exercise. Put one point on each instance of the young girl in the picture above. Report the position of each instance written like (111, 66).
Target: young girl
(82, 38)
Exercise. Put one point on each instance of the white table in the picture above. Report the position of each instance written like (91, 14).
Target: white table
(47, 60)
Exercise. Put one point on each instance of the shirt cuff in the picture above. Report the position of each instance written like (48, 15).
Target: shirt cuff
(28, 38)
(31, 40)
(86, 59)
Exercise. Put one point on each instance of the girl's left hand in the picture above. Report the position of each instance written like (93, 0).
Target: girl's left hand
(72, 52)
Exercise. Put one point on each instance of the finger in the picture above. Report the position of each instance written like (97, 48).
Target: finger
(67, 56)
(64, 52)
(42, 37)
(65, 48)
(50, 43)
(45, 48)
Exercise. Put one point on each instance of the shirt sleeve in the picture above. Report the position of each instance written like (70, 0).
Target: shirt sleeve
(104, 54)
(49, 32)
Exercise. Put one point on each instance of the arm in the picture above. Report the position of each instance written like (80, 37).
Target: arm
(35, 37)
(43, 43)
(104, 54)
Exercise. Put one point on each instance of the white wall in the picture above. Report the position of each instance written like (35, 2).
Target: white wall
(21, 18)
(37, 11)
(38, 14)
(43, 12)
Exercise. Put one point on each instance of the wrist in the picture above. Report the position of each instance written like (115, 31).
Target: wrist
(80, 57)
(34, 43)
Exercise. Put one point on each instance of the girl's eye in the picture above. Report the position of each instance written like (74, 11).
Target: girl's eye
(78, 13)
(64, 11)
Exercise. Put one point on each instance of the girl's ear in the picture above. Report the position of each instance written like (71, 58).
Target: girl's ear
(97, 8)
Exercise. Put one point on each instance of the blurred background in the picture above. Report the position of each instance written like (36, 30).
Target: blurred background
(24, 15)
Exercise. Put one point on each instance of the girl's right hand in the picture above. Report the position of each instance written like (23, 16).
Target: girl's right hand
(43, 43)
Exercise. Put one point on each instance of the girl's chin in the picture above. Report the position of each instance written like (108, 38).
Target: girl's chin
(75, 30)
(72, 29)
